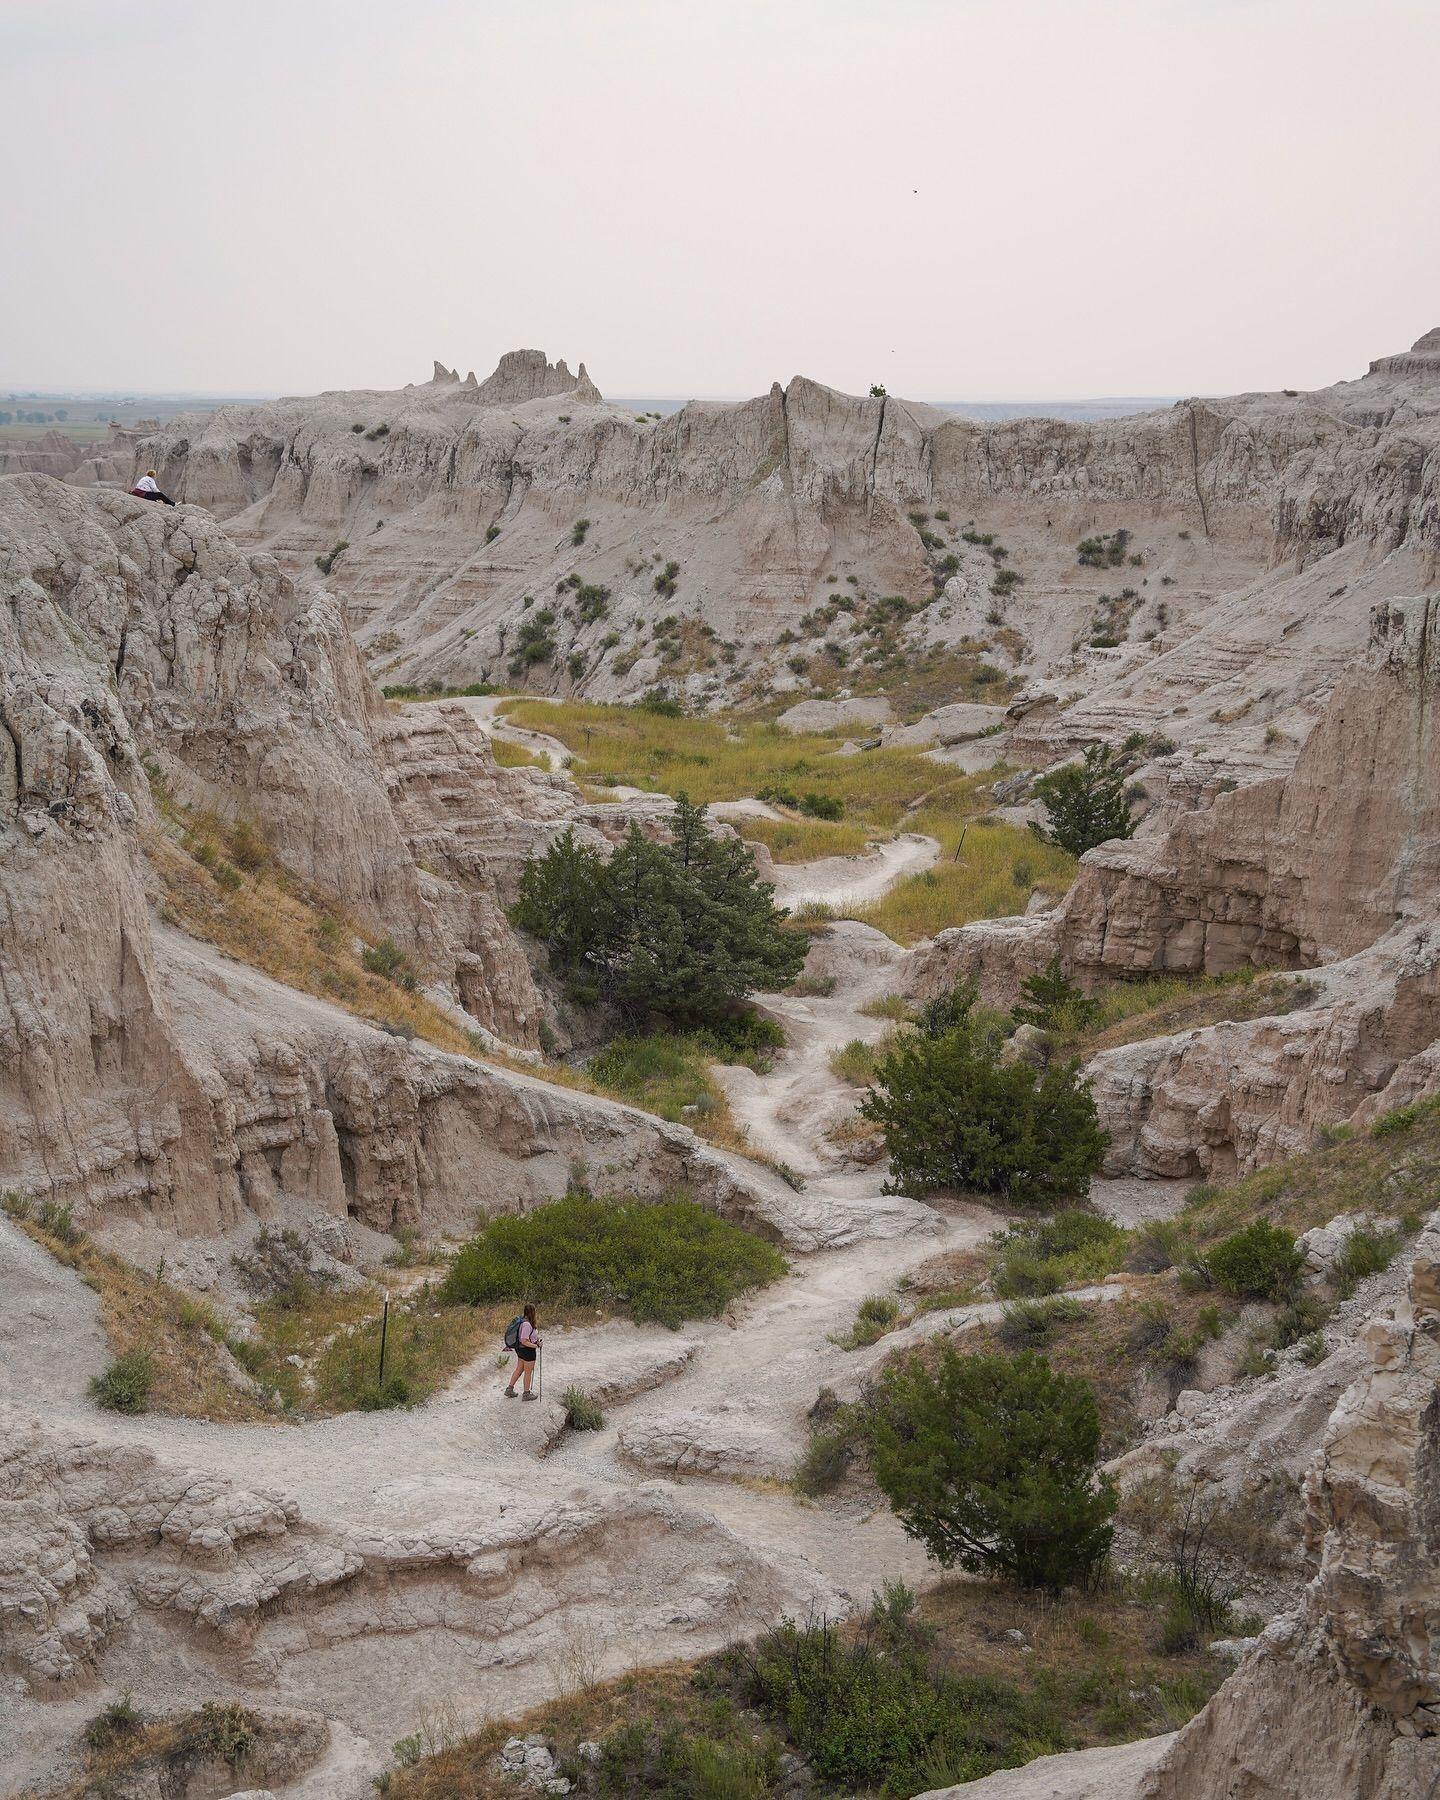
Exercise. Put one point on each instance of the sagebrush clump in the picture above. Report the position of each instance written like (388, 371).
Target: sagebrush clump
(666, 1261)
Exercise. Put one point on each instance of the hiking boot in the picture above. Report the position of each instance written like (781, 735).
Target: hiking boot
(509, 1393)
(527, 1396)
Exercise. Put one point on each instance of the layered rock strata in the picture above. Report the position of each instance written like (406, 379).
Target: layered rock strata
(1333, 868)
(1263, 526)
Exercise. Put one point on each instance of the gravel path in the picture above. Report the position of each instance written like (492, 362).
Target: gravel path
(764, 1362)
(719, 1410)
(848, 881)
(484, 709)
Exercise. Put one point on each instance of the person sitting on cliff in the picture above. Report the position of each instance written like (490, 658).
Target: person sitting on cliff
(527, 1343)
(148, 488)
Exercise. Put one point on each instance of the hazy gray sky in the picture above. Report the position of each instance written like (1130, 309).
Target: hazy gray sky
(960, 198)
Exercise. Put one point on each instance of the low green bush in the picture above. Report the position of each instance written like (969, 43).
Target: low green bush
(1403, 1118)
(668, 1261)
(1041, 1256)
(1365, 1252)
(873, 1318)
(653, 1757)
(1027, 1324)
(660, 1071)
(582, 1413)
(125, 1386)
(825, 1461)
(872, 1716)
(1155, 1246)
(1298, 1320)
(854, 1062)
(991, 1461)
(120, 1719)
(747, 1037)
(390, 962)
(1260, 1262)
(226, 1730)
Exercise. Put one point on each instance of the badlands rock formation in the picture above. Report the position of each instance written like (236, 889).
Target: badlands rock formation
(107, 460)
(1341, 1699)
(157, 667)
(144, 1076)
(1266, 525)
(1333, 868)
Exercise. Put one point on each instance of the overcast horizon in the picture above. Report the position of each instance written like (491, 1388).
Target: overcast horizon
(1015, 201)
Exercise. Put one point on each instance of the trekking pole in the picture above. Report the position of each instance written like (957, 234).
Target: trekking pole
(384, 1332)
(539, 1371)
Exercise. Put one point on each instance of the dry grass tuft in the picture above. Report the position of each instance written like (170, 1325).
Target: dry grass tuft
(510, 755)
(805, 840)
(225, 886)
(1131, 1011)
(182, 1336)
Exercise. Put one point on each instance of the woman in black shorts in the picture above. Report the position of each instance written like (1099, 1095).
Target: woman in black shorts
(525, 1352)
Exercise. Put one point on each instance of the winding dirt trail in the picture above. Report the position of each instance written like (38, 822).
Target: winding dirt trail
(715, 1414)
(484, 709)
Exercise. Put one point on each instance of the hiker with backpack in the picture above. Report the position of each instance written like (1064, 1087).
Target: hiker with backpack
(522, 1337)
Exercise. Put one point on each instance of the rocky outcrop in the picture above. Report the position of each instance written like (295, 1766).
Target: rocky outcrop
(1219, 1100)
(109, 1549)
(1343, 1699)
(147, 664)
(1340, 1700)
(523, 375)
(1264, 527)
(1298, 870)
(1334, 867)
(153, 633)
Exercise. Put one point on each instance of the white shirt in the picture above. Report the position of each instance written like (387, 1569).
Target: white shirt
(147, 484)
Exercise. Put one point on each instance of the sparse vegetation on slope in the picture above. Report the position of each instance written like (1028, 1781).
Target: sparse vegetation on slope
(669, 1074)
(267, 917)
(805, 840)
(1127, 1012)
(209, 1749)
(1397, 1174)
(917, 1692)
(171, 1348)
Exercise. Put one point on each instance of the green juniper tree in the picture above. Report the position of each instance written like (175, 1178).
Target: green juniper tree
(1049, 1000)
(955, 1116)
(990, 1461)
(1085, 802)
(684, 929)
